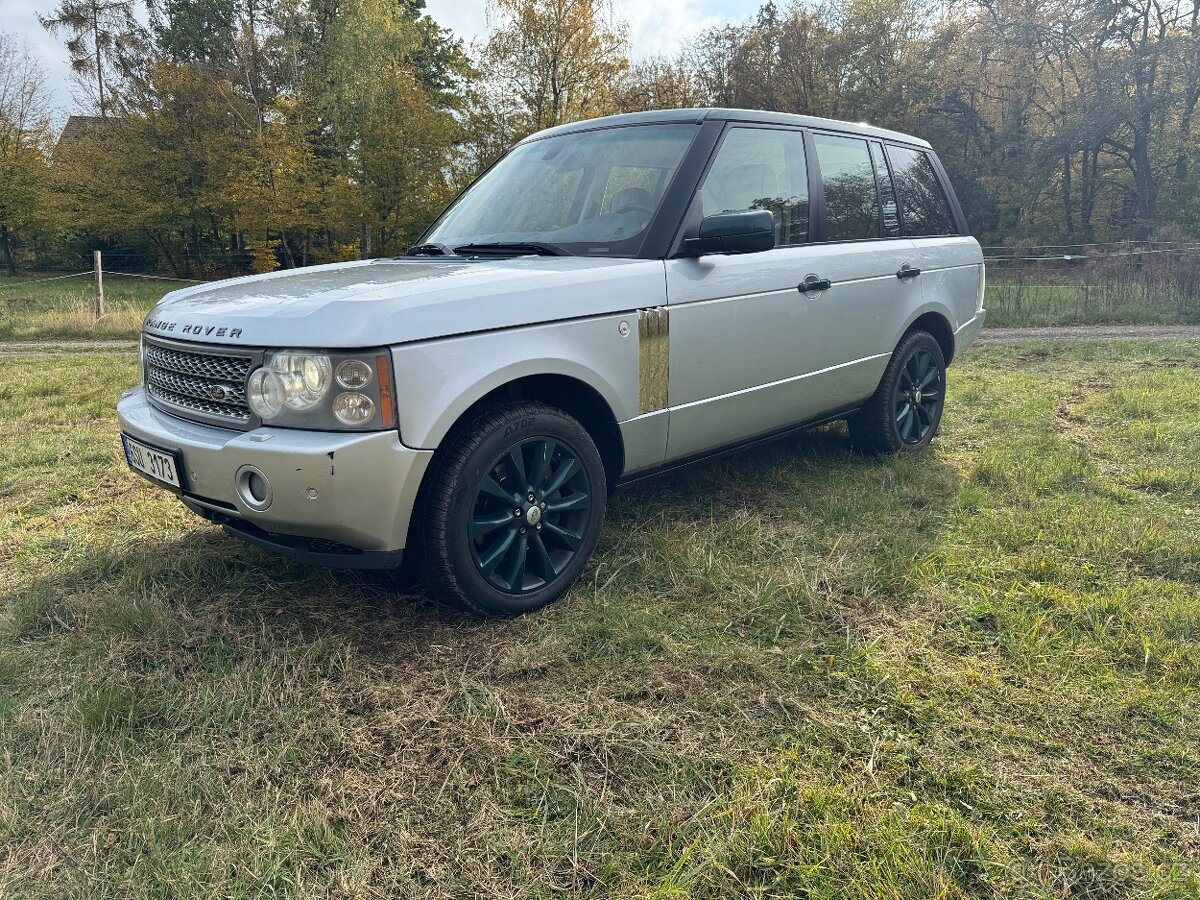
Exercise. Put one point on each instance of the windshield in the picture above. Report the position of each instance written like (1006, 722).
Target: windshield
(592, 193)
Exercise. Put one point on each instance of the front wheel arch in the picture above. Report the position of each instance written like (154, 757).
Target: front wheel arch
(576, 398)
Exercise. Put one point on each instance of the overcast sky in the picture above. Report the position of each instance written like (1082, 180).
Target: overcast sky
(655, 26)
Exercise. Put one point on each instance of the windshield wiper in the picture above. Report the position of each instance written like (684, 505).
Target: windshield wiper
(429, 250)
(511, 248)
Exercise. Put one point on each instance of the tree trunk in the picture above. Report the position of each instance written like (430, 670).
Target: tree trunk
(288, 259)
(1068, 218)
(6, 240)
(1143, 177)
(99, 61)
(165, 249)
(1087, 191)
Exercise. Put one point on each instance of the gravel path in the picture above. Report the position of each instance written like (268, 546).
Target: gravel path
(39, 348)
(1090, 333)
(990, 335)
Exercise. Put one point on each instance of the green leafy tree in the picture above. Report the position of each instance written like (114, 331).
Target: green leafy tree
(24, 137)
(105, 42)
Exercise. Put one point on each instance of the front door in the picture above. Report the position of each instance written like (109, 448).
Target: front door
(760, 341)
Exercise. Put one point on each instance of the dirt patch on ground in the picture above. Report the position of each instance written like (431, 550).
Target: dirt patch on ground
(1090, 333)
(38, 348)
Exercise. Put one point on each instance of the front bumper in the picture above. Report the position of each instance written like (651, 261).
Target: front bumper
(336, 498)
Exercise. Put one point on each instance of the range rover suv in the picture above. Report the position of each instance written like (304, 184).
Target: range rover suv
(612, 298)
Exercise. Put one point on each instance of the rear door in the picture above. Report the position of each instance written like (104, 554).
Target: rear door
(864, 256)
(949, 258)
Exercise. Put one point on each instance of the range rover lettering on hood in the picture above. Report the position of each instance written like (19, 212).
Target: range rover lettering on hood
(206, 330)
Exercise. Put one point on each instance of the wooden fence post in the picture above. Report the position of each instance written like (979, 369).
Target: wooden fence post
(96, 259)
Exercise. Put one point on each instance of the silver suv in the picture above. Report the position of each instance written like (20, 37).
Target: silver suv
(611, 299)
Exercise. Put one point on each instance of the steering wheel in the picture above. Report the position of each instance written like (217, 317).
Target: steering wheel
(635, 207)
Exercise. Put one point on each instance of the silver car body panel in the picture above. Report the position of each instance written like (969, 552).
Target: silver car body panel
(437, 381)
(356, 489)
(752, 353)
(951, 273)
(393, 301)
(689, 355)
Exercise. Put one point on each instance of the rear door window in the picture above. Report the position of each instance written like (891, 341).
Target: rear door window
(924, 209)
(851, 198)
(761, 168)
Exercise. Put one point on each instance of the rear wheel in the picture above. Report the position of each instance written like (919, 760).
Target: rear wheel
(512, 510)
(905, 411)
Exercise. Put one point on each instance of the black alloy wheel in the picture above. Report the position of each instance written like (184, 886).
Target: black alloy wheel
(920, 390)
(904, 413)
(511, 509)
(531, 509)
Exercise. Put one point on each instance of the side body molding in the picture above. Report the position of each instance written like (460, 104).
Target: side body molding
(654, 358)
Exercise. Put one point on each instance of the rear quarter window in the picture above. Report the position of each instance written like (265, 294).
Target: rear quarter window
(924, 209)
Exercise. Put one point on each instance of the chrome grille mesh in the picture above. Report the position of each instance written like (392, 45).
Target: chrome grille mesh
(207, 384)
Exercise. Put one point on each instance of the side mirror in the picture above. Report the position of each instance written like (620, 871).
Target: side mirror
(749, 231)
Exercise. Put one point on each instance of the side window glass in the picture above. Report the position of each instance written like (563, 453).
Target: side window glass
(761, 168)
(923, 203)
(851, 201)
(887, 192)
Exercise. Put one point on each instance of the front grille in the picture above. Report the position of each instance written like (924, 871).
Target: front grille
(207, 384)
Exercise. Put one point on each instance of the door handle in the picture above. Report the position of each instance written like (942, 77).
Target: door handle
(814, 284)
(906, 272)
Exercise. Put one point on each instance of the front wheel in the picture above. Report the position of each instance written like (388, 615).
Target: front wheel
(512, 510)
(903, 414)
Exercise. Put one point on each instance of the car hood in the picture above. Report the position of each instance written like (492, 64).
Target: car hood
(390, 301)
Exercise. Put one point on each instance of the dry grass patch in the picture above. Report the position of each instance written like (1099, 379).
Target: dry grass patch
(795, 672)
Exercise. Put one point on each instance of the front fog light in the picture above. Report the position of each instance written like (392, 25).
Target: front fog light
(354, 409)
(264, 393)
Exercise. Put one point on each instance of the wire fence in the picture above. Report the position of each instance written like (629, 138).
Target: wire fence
(1117, 282)
(91, 273)
(1113, 281)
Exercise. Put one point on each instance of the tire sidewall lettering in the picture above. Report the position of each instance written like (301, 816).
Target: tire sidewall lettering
(521, 424)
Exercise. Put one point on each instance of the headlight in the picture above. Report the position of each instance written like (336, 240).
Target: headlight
(264, 393)
(293, 389)
(353, 374)
(305, 378)
(353, 408)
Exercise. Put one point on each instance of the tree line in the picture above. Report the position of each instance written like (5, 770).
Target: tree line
(236, 135)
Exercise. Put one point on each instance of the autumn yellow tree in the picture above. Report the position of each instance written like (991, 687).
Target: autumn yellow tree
(559, 60)
(387, 113)
(24, 137)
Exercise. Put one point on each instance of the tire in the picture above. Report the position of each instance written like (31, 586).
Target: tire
(905, 411)
(481, 543)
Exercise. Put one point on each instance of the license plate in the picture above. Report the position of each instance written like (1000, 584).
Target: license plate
(154, 463)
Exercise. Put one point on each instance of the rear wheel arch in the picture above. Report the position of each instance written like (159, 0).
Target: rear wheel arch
(938, 326)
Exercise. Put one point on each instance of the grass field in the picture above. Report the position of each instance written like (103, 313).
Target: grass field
(66, 309)
(795, 672)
